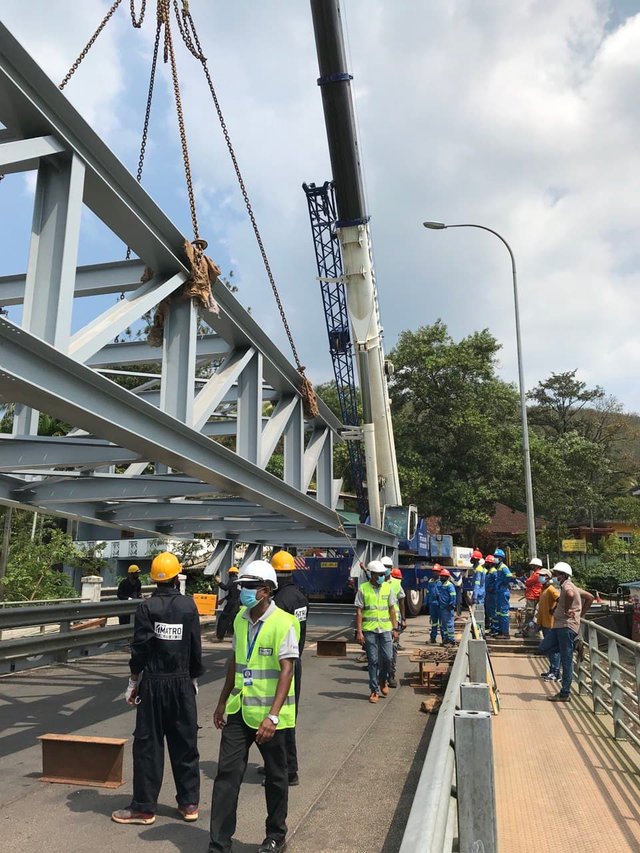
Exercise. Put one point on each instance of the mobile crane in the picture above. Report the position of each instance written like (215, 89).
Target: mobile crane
(342, 239)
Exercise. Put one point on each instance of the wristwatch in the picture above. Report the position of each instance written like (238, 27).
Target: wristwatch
(274, 719)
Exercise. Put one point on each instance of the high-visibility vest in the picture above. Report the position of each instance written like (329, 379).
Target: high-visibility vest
(255, 699)
(396, 586)
(375, 611)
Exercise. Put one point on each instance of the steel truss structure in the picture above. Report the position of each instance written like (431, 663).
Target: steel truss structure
(199, 486)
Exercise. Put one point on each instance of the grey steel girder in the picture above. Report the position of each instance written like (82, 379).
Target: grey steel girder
(24, 154)
(108, 487)
(208, 348)
(77, 395)
(91, 280)
(30, 452)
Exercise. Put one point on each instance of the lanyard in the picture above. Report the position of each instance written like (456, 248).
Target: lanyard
(253, 642)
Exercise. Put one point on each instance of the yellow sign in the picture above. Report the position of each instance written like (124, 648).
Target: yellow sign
(579, 545)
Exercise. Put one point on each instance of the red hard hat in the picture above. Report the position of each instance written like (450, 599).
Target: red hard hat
(489, 558)
(436, 567)
(396, 573)
(477, 555)
(444, 574)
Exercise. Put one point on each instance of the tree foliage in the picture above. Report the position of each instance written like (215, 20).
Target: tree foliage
(456, 424)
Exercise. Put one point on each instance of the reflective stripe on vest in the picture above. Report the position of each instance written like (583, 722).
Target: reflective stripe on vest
(256, 699)
(375, 610)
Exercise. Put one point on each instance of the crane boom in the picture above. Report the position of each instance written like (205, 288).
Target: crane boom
(352, 228)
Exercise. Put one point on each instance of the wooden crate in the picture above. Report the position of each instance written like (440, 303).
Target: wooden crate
(331, 649)
(78, 760)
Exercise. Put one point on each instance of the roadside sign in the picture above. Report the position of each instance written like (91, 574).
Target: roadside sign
(573, 545)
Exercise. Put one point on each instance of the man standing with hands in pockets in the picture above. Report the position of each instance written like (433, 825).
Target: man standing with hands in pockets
(258, 699)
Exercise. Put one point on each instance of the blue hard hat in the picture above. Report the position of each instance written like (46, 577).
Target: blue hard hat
(498, 553)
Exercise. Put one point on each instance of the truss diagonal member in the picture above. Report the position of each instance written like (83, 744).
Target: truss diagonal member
(213, 393)
(90, 339)
(276, 425)
(312, 455)
(24, 154)
(35, 372)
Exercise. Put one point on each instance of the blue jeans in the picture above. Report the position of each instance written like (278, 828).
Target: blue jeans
(554, 657)
(561, 641)
(379, 649)
(434, 613)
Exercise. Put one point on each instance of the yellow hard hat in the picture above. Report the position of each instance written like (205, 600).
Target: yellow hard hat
(233, 570)
(164, 567)
(283, 561)
(133, 569)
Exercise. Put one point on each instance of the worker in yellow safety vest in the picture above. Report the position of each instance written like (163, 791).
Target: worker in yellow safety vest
(377, 627)
(258, 699)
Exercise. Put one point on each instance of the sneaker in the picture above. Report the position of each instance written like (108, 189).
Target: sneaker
(189, 812)
(373, 698)
(392, 683)
(551, 676)
(131, 816)
(545, 674)
(384, 689)
(361, 658)
(559, 698)
(270, 845)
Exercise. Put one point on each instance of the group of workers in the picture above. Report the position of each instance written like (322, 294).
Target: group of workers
(258, 702)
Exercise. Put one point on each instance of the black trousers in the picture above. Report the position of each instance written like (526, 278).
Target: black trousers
(237, 738)
(224, 624)
(290, 734)
(168, 710)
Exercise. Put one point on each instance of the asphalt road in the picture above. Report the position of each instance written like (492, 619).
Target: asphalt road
(359, 763)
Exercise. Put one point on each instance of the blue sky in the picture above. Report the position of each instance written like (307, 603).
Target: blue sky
(523, 117)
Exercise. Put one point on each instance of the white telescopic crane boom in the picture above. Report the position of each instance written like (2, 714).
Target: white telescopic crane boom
(383, 485)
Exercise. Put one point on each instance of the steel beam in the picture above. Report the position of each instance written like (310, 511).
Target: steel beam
(312, 455)
(226, 511)
(294, 448)
(51, 269)
(179, 360)
(249, 434)
(208, 348)
(91, 280)
(78, 395)
(275, 427)
(106, 487)
(43, 452)
(216, 389)
(324, 472)
(31, 105)
(24, 155)
(90, 339)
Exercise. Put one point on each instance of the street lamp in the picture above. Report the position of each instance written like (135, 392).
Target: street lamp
(528, 485)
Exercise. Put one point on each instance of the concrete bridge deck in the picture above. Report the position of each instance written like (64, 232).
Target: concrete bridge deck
(562, 782)
(359, 762)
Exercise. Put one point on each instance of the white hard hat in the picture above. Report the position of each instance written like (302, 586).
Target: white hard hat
(535, 561)
(387, 561)
(544, 572)
(258, 570)
(377, 567)
(565, 568)
(481, 561)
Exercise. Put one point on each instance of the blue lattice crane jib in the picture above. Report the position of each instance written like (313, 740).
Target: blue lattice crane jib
(322, 214)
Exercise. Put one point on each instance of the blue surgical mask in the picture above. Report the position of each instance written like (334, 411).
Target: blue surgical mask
(555, 581)
(248, 598)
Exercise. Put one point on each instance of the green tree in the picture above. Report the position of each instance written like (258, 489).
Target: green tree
(456, 425)
(34, 568)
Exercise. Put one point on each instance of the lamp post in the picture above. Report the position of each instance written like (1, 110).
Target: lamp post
(528, 485)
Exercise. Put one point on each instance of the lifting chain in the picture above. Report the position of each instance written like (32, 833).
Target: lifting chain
(194, 42)
(89, 44)
(137, 23)
(147, 114)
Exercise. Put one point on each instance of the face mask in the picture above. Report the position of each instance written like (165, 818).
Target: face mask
(379, 579)
(248, 598)
(556, 581)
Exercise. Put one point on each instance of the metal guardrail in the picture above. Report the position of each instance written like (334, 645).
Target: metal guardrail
(431, 824)
(54, 647)
(610, 673)
(41, 601)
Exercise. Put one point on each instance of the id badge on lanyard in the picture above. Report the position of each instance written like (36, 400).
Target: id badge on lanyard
(247, 673)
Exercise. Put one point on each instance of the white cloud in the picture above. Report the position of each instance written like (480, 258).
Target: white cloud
(519, 116)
